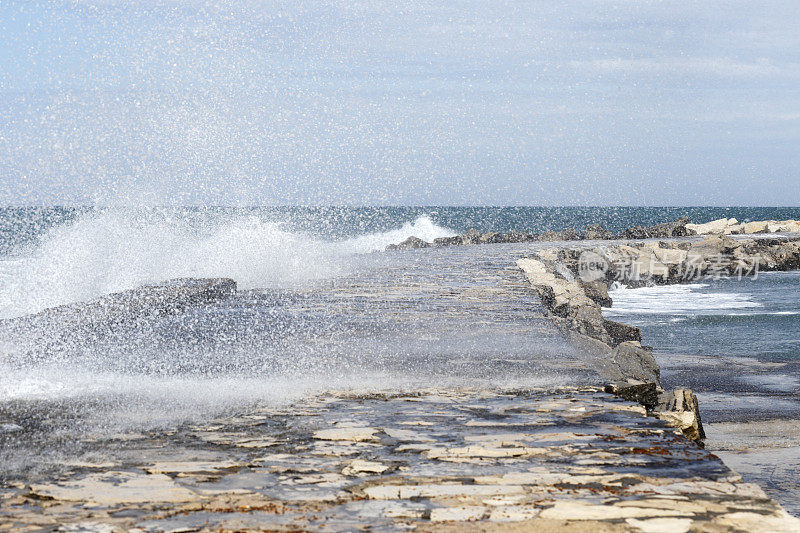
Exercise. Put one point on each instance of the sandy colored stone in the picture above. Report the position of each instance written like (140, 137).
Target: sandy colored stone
(458, 514)
(359, 466)
(660, 525)
(438, 490)
(117, 488)
(517, 513)
(406, 435)
(483, 452)
(780, 522)
(354, 434)
(189, 467)
(574, 510)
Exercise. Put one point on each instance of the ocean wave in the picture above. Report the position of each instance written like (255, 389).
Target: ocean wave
(107, 251)
(423, 227)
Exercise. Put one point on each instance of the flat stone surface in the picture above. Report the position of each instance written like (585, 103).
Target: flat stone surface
(565, 459)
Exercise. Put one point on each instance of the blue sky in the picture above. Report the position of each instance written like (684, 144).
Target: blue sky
(462, 102)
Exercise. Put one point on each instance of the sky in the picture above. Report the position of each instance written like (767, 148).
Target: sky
(459, 102)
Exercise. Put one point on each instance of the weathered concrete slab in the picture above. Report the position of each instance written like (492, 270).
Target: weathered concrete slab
(562, 460)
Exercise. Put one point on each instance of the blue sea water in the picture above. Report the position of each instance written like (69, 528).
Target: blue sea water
(749, 317)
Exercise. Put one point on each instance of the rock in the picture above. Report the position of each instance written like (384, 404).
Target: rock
(636, 232)
(715, 226)
(597, 291)
(676, 228)
(575, 510)
(712, 248)
(671, 257)
(620, 332)
(680, 409)
(569, 234)
(360, 466)
(755, 227)
(633, 361)
(447, 241)
(69, 325)
(588, 344)
(597, 232)
(786, 256)
(786, 226)
(464, 513)
(412, 243)
(351, 434)
(645, 393)
(490, 237)
(440, 490)
(472, 236)
(116, 488)
(515, 236)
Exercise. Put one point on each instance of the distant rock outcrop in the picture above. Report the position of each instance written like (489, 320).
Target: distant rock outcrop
(680, 227)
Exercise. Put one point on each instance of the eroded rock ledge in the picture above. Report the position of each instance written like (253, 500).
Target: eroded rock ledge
(573, 283)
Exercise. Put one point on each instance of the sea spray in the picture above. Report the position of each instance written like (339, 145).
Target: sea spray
(106, 251)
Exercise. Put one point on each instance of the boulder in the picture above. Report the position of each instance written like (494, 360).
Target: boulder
(679, 408)
(642, 392)
(631, 360)
(755, 227)
(636, 232)
(620, 332)
(713, 245)
(490, 237)
(411, 243)
(583, 342)
(569, 234)
(515, 236)
(596, 291)
(676, 228)
(715, 226)
(472, 236)
(597, 232)
(447, 241)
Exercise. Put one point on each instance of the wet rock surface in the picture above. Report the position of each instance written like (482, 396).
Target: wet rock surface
(565, 459)
(46, 334)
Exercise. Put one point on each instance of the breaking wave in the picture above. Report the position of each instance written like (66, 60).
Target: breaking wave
(107, 251)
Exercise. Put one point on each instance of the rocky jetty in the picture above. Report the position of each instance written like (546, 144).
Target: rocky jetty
(570, 459)
(572, 284)
(677, 228)
(731, 226)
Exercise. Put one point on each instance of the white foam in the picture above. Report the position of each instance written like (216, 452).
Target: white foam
(423, 228)
(686, 299)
